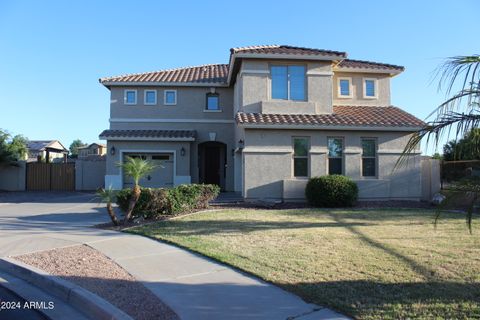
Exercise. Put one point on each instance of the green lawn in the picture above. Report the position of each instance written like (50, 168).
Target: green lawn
(370, 264)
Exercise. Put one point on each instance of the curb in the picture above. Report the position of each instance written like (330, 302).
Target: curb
(79, 298)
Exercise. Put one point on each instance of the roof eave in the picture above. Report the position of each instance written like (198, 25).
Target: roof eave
(109, 84)
(329, 127)
(117, 138)
(390, 72)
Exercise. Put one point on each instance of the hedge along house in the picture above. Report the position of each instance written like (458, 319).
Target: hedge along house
(264, 123)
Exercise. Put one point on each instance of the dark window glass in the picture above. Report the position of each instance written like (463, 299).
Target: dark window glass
(369, 157)
(370, 88)
(335, 156)
(344, 87)
(297, 82)
(212, 101)
(300, 157)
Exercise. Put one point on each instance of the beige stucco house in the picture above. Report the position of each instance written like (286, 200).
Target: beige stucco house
(46, 150)
(92, 150)
(264, 123)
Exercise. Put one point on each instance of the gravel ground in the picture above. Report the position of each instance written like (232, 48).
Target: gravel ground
(95, 272)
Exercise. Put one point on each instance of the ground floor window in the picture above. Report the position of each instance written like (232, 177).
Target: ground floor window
(335, 156)
(369, 157)
(300, 156)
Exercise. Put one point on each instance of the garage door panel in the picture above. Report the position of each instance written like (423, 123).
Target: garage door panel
(162, 175)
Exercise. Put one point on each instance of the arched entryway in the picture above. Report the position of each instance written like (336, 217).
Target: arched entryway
(212, 163)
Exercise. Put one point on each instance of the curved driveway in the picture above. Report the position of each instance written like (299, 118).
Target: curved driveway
(193, 286)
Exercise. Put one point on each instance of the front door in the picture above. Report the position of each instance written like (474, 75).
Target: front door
(212, 165)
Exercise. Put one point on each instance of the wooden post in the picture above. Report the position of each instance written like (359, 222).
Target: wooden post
(47, 156)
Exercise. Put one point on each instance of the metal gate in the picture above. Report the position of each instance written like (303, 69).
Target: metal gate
(50, 176)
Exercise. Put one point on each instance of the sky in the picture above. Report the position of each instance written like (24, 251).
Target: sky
(52, 53)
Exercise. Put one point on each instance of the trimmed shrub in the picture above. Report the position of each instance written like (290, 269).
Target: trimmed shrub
(178, 200)
(331, 191)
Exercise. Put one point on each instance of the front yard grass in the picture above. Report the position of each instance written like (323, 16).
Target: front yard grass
(369, 264)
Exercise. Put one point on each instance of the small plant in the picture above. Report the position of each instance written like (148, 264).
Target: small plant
(136, 168)
(331, 191)
(109, 196)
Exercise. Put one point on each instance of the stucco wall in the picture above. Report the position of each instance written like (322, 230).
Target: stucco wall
(191, 103)
(357, 87)
(89, 174)
(13, 178)
(268, 164)
(254, 86)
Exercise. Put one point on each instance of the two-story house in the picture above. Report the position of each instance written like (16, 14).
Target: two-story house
(264, 123)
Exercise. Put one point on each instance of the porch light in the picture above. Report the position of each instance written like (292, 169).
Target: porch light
(182, 152)
(112, 151)
(241, 144)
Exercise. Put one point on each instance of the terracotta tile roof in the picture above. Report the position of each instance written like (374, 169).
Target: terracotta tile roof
(150, 134)
(211, 73)
(360, 64)
(283, 49)
(358, 116)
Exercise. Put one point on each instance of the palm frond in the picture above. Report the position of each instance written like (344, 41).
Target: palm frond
(137, 168)
(450, 71)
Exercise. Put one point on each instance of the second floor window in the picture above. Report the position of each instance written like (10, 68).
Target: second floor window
(300, 157)
(335, 156)
(369, 90)
(288, 82)
(344, 87)
(369, 157)
(170, 97)
(212, 101)
(130, 97)
(150, 97)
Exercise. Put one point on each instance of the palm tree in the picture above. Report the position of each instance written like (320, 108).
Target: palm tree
(109, 196)
(460, 114)
(136, 168)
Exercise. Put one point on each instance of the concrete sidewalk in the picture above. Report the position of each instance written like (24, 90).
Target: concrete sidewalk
(195, 287)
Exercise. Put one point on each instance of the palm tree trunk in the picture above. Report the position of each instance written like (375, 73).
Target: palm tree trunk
(112, 214)
(133, 201)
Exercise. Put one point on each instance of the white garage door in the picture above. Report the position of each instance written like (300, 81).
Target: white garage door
(161, 177)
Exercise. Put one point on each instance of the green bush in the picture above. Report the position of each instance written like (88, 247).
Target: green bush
(331, 191)
(178, 200)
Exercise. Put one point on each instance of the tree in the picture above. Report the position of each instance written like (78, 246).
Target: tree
(467, 148)
(136, 168)
(12, 149)
(74, 147)
(109, 196)
(460, 114)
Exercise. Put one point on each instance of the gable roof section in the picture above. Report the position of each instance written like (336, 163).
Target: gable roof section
(342, 116)
(204, 74)
(41, 145)
(353, 65)
(287, 50)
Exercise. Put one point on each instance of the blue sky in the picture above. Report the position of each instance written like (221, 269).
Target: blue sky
(53, 52)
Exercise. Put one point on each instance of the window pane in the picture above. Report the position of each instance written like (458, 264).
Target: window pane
(150, 97)
(297, 82)
(335, 166)
(370, 88)
(335, 146)
(368, 147)
(212, 102)
(131, 97)
(279, 82)
(368, 167)
(344, 87)
(300, 167)
(300, 147)
(170, 97)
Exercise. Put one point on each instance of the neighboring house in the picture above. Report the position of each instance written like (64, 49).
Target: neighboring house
(46, 150)
(92, 150)
(264, 123)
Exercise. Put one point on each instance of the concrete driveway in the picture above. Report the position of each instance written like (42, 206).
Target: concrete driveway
(195, 287)
(31, 221)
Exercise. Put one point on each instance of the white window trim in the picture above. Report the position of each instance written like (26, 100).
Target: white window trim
(145, 98)
(125, 96)
(301, 157)
(339, 91)
(212, 110)
(375, 88)
(165, 97)
(375, 140)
